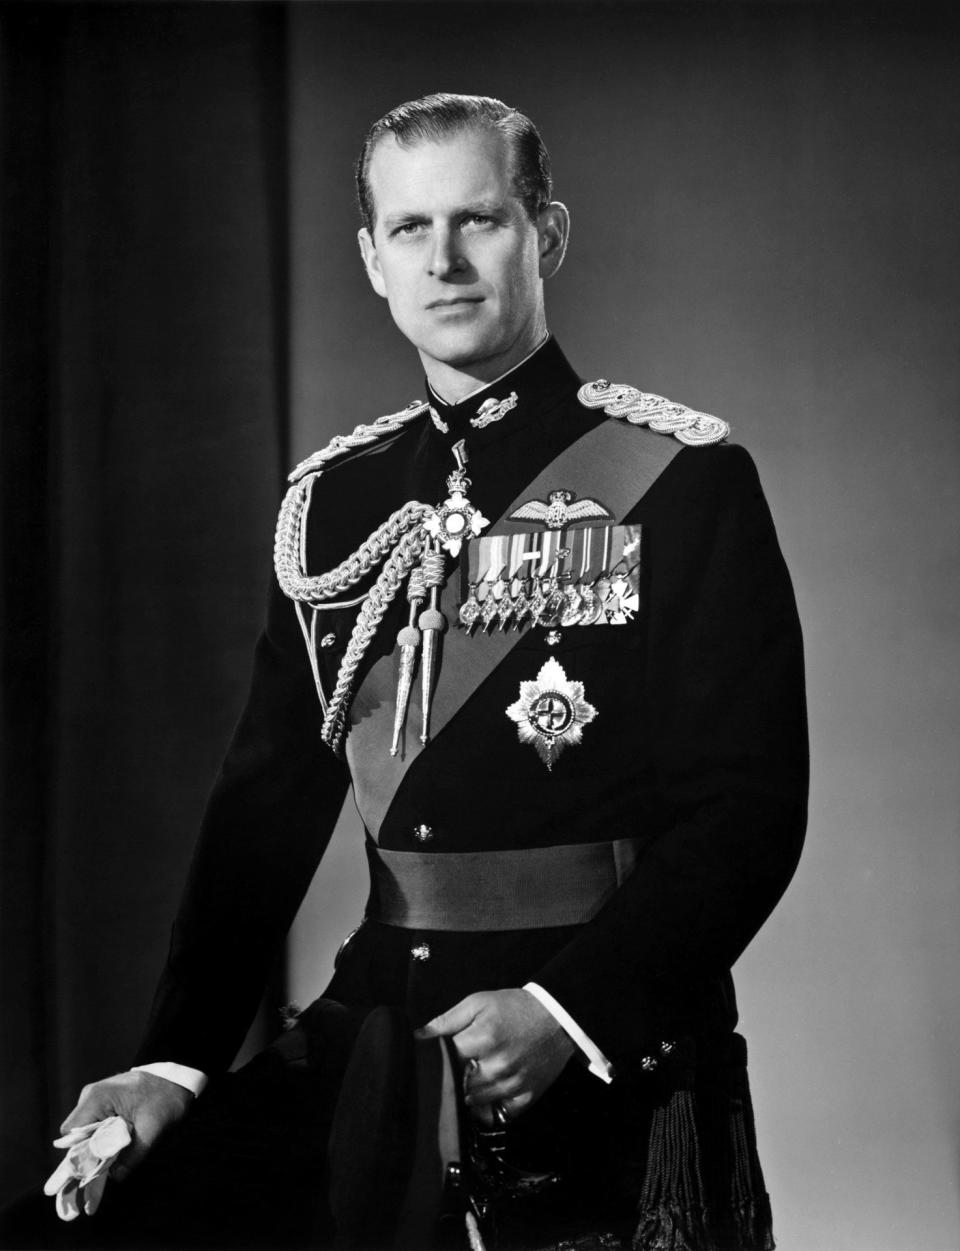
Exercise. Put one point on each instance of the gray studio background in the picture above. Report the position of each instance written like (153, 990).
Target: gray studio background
(764, 204)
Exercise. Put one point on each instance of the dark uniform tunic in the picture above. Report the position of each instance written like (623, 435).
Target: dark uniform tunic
(698, 749)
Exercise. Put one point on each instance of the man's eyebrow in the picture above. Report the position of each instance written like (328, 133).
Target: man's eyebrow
(490, 205)
(402, 217)
(482, 206)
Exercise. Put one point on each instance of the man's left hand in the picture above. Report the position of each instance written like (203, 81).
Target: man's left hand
(517, 1048)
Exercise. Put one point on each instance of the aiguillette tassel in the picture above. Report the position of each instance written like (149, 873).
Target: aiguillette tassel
(409, 640)
(432, 622)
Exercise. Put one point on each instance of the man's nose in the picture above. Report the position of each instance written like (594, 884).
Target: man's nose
(446, 257)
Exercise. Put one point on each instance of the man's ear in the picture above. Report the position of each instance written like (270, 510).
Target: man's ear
(371, 261)
(553, 230)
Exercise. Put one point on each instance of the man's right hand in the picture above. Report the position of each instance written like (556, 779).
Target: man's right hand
(149, 1104)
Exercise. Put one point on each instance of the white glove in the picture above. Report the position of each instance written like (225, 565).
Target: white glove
(91, 1149)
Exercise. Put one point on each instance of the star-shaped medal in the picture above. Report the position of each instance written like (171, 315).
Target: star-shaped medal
(551, 712)
(456, 518)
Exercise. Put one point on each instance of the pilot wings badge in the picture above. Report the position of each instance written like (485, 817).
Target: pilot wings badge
(559, 510)
(551, 712)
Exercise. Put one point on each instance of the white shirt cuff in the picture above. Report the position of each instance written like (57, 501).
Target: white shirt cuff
(599, 1065)
(192, 1079)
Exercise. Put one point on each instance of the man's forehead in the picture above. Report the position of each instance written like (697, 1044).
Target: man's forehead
(472, 162)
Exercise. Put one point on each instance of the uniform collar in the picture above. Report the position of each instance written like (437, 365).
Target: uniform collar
(525, 392)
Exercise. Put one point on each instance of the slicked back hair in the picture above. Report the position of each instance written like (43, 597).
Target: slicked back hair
(436, 117)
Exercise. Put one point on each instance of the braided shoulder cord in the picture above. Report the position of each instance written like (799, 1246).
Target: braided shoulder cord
(646, 409)
(383, 591)
(360, 436)
(400, 540)
(295, 583)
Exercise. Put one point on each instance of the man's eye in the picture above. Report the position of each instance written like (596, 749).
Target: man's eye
(409, 228)
(478, 219)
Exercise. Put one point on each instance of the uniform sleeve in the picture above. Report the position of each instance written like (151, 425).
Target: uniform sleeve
(267, 823)
(726, 734)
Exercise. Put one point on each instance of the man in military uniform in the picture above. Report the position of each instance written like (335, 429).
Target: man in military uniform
(544, 630)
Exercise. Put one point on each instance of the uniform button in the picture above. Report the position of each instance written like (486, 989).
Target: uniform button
(423, 833)
(328, 640)
(420, 952)
(666, 1048)
(553, 638)
(648, 1064)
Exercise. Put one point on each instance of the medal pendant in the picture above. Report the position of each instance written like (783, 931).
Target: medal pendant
(504, 609)
(604, 598)
(590, 607)
(551, 712)
(553, 606)
(489, 608)
(537, 602)
(470, 608)
(573, 600)
(628, 601)
(521, 606)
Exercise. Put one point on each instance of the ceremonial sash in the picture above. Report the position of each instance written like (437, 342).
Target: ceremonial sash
(525, 888)
(613, 463)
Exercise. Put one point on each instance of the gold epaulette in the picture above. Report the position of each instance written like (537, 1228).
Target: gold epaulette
(361, 436)
(644, 409)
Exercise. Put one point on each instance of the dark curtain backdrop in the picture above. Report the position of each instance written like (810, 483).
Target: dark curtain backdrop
(765, 224)
(144, 418)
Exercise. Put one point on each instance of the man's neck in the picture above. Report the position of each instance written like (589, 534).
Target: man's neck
(453, 385)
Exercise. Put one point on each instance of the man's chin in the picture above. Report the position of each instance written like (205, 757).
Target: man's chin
(458, 348)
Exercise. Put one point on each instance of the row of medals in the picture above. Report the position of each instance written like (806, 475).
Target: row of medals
(547, 602)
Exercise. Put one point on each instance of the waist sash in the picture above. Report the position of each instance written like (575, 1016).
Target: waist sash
(525, 889)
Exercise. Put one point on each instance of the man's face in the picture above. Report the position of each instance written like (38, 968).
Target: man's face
(454, 252)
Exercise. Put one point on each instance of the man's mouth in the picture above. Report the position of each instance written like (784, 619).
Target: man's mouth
(459, 299)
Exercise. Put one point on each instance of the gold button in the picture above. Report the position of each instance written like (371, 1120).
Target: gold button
(420, 952)
(648, 1064)
(423, 833)
(328, 640)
